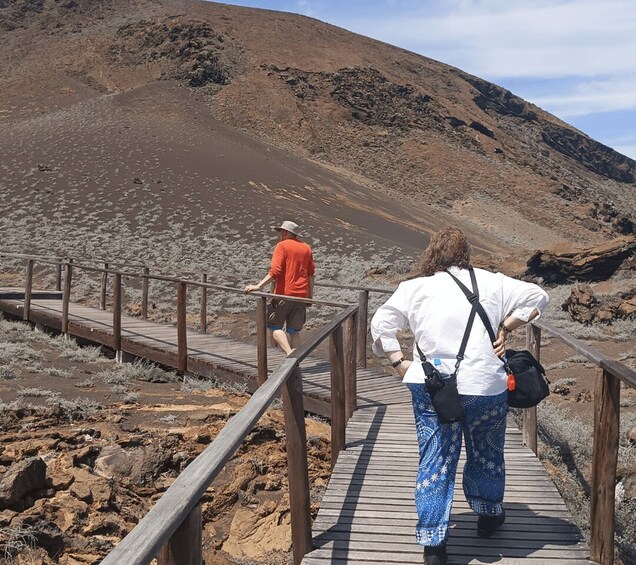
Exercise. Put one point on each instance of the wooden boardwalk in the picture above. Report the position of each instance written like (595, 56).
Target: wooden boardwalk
(367, 514)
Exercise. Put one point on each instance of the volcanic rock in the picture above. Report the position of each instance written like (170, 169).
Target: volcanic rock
(585, 307)
(22, 478)
(566, 263)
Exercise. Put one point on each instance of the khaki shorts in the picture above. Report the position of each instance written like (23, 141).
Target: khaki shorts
(286, 313)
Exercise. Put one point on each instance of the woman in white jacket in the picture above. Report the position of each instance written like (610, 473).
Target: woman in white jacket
(436, 310)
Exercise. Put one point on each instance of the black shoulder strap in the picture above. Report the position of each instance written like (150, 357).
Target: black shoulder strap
(473, 298)
(469, 325)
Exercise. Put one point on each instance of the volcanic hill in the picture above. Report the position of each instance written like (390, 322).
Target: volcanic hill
(198, 126)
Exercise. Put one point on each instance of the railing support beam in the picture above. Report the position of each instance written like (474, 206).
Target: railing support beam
(66, 295)
(533, 344)
(363, 314)
(58, 276)
(28, 287)
(144, 293)
(102, 290)
(338, 408)
(203, 308)
(185, 547)
(298, 473)
(182, 335)
(604, 461)
(351, 385)
(261, 338)
(117, 317)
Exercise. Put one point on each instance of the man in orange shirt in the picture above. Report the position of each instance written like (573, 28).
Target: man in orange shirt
(293, 269)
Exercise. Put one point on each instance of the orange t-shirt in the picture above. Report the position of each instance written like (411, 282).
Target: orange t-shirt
(292, 265)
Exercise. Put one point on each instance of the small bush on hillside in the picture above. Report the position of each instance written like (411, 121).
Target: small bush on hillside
(16, 540)
(145, 371)
(77, 409)
(71, 350)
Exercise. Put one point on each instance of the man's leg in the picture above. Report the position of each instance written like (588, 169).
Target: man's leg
(294, 338)
(280, 337)
(278, 312)
(295, 322)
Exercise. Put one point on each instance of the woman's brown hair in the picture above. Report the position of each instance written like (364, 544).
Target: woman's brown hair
(447, 248)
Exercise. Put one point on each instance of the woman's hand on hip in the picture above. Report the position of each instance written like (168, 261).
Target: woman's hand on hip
(499, 345)
(403, 367)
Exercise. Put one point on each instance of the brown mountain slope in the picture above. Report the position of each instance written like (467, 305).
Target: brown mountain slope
(115, 118)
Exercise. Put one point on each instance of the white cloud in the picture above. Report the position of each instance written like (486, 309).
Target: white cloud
(496, 38)
(617, 93)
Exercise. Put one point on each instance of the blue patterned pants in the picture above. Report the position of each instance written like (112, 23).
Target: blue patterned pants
(484, 429)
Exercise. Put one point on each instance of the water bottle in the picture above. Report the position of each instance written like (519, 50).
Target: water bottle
(433, 382)
(437, 363)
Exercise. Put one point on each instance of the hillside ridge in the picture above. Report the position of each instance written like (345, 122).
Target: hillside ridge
(447, 146)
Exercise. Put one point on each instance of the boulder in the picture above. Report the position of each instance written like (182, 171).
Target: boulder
(583, 306)
(22, 478)
(565, 263)
(256, 532)
(139, 465)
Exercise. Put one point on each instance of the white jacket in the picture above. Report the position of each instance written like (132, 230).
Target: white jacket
(436, 311)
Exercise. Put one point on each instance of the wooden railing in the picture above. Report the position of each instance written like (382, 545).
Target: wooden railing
(171, 530)
(609, 375)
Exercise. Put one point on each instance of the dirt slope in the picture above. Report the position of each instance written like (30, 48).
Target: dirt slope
(120, 111)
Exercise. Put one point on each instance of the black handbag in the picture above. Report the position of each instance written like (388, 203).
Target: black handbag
(527, 384)
(443, 388)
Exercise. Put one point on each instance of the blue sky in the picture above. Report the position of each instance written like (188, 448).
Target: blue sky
(573, 58)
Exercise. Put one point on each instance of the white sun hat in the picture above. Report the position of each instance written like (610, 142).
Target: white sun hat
(291, 227)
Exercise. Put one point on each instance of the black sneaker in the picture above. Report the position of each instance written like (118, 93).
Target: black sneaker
(435, 554)
(487, 525)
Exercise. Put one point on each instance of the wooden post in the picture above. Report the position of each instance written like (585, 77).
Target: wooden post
(185, 547)
(66, 295)
(182, 337)
(338, 411)
(351, 385)
(604, 460)
(28, 287)
(117, 316)
(102, 290)
(533, 344)
(261, 338)
(203, 317)
(363, 314)
(144, 293)
(297, 469)
(58, 275)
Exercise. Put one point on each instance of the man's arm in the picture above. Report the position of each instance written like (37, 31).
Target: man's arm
(258, 286)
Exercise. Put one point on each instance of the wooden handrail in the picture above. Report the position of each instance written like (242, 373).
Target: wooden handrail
(620, 370)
